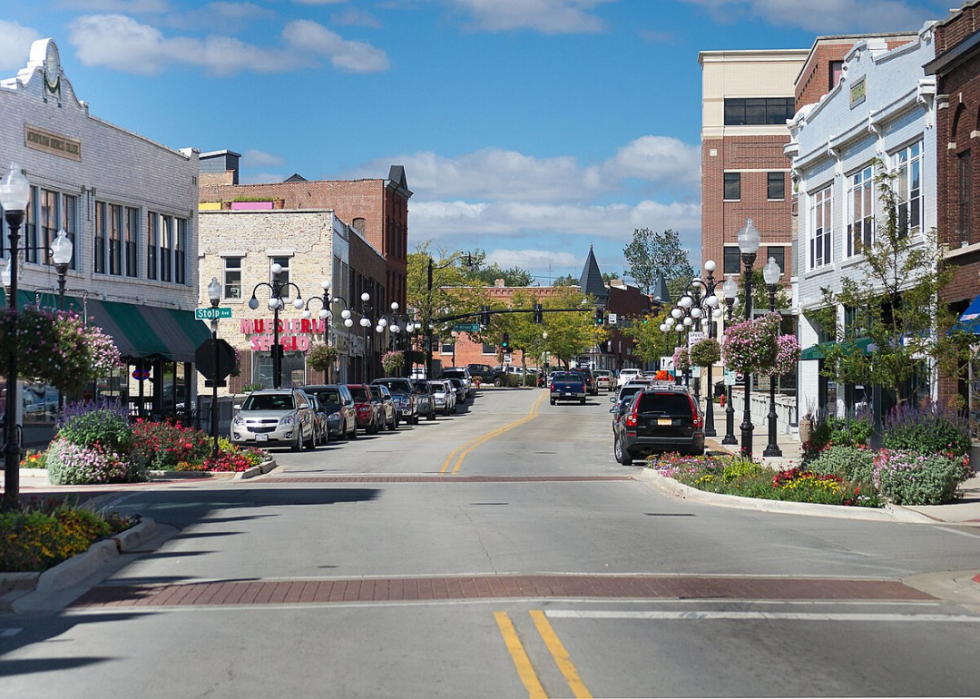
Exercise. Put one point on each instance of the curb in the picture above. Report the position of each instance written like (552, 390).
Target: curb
(76, 568)
(260, 470)
(889, 513)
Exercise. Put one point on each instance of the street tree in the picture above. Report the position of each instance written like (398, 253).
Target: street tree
(650, 342)
(891, 301)
(652, 253)
(571, 333)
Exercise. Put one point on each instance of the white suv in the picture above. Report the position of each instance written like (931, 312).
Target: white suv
(627, 375)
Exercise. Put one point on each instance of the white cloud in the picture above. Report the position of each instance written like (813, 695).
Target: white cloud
(122, 43)
(355, 18)
(353, 56)
(533, 259)
(829, 15)
(15, 45)
(119, 6)
(546, 16)
(258, 158)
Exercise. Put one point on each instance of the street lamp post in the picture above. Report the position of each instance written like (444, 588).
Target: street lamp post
(770, 273)
(15, 191)
(366, 324)
(61, 252)
(748, 245)
(276, 304)
(325, 314)
(730, 291)
(214, 295)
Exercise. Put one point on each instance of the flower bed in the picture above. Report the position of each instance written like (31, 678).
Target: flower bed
(41, 535)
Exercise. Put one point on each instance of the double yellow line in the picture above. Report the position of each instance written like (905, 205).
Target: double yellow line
(460, 452)
(525, 670)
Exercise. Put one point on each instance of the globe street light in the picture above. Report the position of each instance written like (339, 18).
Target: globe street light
(276, 304)
(15, 191)
(748, 245)
(770, 273)
(729, 291)
(214, 295)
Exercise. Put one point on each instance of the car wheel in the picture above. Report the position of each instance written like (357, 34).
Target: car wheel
(582, 401)
(552, 401)
(415, 419)
(431, 415)
(298, 446)
(353, 432)
(497, 383)
(373, 429)
(393, 424)
(622, 455)
(311, 443)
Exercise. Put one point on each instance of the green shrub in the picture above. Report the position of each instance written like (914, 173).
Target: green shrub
(88, 424)
(911, 478)
(741, 470)
(163, 445)
(33, 541)
(850, 463)
(927, 430)
(836, 430)
(71, 464)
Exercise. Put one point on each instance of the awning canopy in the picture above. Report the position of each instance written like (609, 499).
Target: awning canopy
(143, 332)
(969, 321)
(816, 352)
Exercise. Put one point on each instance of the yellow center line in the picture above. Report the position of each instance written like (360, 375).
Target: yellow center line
(558, 652)
(517, 653)
(477, 441)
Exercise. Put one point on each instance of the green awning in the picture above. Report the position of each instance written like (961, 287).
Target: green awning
(142, 332)
(816, 352)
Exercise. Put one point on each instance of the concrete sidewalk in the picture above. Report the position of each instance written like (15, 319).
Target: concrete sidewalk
(965, 510)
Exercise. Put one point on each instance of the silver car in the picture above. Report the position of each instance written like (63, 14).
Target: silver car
(445, 396)
(275, 417)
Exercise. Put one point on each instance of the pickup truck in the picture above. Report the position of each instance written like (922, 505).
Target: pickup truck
(567, 385)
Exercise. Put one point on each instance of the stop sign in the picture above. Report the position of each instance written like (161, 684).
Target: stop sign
(215, 359)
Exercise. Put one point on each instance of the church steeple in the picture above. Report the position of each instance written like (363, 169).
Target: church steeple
(591, 280)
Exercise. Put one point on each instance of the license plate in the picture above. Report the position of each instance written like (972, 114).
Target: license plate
(563, 394)
(664, 422)
(261, 438)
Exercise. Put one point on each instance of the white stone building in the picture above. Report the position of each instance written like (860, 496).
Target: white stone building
(129, 206)
(881, 114)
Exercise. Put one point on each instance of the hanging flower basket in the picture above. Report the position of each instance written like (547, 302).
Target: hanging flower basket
(682, 359)
(787, 355)
(321, 357)
(706, 352)
(393, 361)
(750, 347)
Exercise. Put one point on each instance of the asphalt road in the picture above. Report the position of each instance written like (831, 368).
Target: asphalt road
(500, 552)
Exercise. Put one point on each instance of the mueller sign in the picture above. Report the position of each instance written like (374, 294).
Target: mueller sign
(294, 335)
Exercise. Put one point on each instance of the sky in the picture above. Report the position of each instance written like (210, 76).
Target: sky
(531, 129)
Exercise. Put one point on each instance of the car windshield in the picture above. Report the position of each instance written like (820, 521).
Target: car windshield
(672, 404)
(329, 400)
(437, 387)
(395, 386)
(269, 401)
(360, 394)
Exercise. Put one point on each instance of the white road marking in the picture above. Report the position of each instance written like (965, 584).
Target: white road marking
(960, 532)
(758, 616)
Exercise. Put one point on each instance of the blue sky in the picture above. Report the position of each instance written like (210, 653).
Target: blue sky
(528, 128)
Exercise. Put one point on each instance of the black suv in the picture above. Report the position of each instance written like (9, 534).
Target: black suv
(591, 387)
(487, 373)
(658, 419)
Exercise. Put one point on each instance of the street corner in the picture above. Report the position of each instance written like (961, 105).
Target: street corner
(256, 471)
(957, 586)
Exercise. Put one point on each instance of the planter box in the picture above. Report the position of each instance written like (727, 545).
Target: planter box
(251, 206)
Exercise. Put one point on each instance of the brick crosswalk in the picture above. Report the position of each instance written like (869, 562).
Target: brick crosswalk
(495, 586)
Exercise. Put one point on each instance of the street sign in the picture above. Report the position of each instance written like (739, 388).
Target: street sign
(206, 354)
(694, 337)
(666, 363)
(467, 327)
(209, 313)
(729, 378)
(508, 358)
(612, 318)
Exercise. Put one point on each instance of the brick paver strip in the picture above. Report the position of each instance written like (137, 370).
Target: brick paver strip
(503, 586)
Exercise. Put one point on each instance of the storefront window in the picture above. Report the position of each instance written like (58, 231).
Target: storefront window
(293, 369)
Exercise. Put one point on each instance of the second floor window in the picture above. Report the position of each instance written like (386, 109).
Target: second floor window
(132, 241)
(733, 186)
(180, 252)
(822, 236)
(964, 205)
(860, 211)
(152, 244)
(166, 248)
(232, 285)
(115, 239)
(775, 185)
(908, 189)
(101, 235)
(283, 262)
(732, 260)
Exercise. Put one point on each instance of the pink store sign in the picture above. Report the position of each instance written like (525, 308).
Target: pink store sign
(251, 205)
(294, 335)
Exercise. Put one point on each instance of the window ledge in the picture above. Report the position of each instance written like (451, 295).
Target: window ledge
(964, 250)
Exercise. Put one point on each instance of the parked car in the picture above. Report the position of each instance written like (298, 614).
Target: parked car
(403, 393)
(386, 406)
(658, 419)
(426, 399)
(275, 417)
(590, 385)
(460, 390)
(567, 385)
(338, 403)
(444, 395)
(487, 373)
(322, 427)
(627, 375)
(366, 410)
(461, 373)
(605, 379)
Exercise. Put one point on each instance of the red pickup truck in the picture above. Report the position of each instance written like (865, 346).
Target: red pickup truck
(567, 385)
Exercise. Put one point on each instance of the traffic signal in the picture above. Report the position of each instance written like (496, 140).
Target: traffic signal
(485, 316)
(600, 316)
(505, 342)
(538, 313)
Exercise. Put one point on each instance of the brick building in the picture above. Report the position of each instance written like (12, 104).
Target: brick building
(956, 68)
(129, 206)
(376, 208)
(747, 97)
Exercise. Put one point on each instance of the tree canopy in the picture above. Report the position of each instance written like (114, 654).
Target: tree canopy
(652, 253)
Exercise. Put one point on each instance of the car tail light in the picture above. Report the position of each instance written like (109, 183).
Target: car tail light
(696, 419)
(631, 418)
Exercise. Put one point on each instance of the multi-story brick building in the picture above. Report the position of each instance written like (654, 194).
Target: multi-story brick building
(956, 68)
(129, 206)
(239, 247)
(747, 98)
(877, 119)
(376, 208)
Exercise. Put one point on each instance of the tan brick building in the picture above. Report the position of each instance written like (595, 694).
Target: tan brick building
(747, 97)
